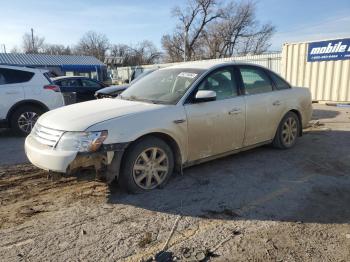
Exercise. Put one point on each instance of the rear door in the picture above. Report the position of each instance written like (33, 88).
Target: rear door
(89, 87)
(263, 106)
(11, 88)
(218, 126)
(72, 85)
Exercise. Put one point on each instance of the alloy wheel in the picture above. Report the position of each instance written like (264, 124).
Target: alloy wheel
(151, 168)
(26, 121)
(289, 131)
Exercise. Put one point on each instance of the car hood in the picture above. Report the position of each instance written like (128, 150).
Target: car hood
(112, 89)
(79, 117)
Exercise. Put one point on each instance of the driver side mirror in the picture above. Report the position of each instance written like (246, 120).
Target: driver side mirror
(205, 96)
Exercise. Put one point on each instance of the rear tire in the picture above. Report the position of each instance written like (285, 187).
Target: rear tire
(24, 118)
(147, 164)
(287, 132)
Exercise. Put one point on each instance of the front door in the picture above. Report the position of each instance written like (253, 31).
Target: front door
(216, 127)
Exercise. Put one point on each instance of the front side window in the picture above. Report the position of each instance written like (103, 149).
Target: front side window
(165, 86)
(222, 82)
(255, 80)
(12, 76)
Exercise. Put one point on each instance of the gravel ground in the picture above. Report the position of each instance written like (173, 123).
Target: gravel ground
(260, 205)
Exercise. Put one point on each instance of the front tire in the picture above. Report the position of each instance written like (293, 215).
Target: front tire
(147, 164)
(24, 118)
(287, 132)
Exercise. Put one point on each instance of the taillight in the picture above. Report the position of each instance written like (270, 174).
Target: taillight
(52, 87)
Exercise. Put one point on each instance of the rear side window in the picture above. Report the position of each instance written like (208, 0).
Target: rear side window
(89, 83)
(279, 82)
(255, 80)
(12, 76)
(69, 82)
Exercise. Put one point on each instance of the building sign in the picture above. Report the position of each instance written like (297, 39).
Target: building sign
(329, 50)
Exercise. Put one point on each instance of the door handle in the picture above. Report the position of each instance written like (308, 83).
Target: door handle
(276, 103)
(235, 111)
(179, 121)
(11, 93)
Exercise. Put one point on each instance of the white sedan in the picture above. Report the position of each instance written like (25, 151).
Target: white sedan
(171, 119)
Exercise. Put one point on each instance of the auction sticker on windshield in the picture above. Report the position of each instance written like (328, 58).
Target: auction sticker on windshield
(188, 75)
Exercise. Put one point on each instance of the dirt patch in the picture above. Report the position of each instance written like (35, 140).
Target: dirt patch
(26, 191)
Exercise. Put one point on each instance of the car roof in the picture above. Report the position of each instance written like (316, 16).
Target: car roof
(70, 77)
(25, 68)
(205, 65)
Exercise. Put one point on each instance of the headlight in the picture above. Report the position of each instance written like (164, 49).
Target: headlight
(81, 141)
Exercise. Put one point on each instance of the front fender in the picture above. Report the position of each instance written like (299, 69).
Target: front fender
(129, 128)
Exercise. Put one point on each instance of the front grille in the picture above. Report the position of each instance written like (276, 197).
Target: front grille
(46, 136)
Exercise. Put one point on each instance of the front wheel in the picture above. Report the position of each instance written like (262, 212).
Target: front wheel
(147, 165)
(24, 118)
(287, 132)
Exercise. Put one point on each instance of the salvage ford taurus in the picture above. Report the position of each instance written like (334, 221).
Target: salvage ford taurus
(173, 118)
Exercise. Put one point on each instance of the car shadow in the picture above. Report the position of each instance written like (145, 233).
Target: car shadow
(319, 114)
(308, 183)
(6, 132)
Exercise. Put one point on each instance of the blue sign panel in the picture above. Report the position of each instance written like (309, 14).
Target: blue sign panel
(329, 50)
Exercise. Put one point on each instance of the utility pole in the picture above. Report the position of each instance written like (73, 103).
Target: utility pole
(32, 38)
(4, 48)
(185, 43)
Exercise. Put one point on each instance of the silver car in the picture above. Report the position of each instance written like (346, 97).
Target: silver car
(171, 119)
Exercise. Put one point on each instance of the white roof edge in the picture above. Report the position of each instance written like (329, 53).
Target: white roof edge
(25, 68)
(317, 40)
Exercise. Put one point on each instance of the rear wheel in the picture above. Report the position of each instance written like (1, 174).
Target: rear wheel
(24, 118)
(147, 165)
(287, 132)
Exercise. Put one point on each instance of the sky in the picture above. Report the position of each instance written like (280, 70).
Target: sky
(132, 21)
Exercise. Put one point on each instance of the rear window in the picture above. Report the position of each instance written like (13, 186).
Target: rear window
(255, 80)
(12, 76)
(279, 82)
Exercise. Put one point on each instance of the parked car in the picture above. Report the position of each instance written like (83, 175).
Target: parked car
(171, 119)
(83, 88)
(114, 91)
(25, 93)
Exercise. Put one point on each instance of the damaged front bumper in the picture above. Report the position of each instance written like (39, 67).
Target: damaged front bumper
(49, 159)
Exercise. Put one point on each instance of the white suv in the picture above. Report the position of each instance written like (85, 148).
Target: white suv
(25, 93)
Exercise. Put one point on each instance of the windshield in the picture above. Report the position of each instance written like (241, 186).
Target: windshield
(165, 86)
(142, 75)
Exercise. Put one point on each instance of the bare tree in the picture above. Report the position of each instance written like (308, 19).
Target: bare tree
(257, 43)
(217, 31)
(93, 44)
(143, 53)
(238, 32)
(173, 46)
(32, 45)
(54, 49)
(15, 50)
(193, 20)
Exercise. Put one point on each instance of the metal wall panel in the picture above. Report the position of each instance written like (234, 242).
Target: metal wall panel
(271, 61)
(327, 80)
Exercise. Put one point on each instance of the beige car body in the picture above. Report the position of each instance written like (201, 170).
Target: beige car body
(196, 132)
